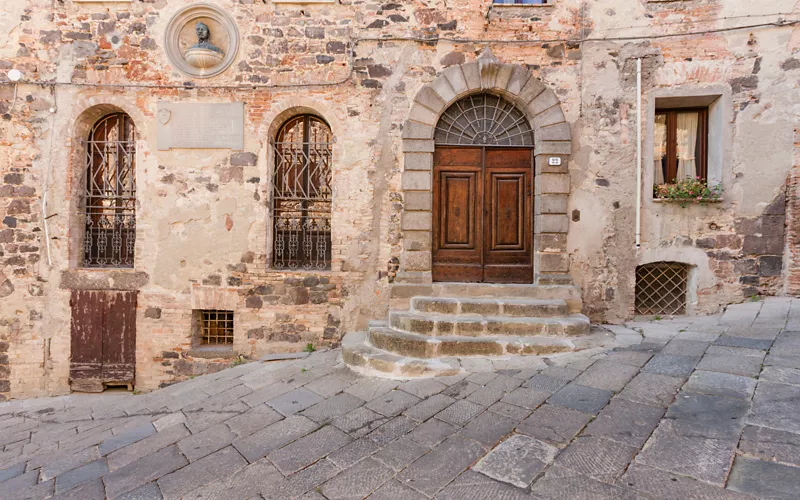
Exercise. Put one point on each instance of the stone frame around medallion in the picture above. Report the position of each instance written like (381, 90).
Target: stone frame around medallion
(552, 139)
(187, 15)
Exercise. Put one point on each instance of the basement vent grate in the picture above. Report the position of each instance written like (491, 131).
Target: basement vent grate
(216, 327)
(661, 288)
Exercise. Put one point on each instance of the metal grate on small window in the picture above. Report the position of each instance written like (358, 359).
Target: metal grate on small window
(661, 288)
(216, 327)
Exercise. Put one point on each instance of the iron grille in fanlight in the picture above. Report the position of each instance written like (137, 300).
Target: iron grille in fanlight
(661, 288)
(483, 120)
(301, 195)
(109, 205)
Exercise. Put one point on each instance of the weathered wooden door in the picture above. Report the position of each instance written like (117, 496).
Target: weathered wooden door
(483, 217)
(103, 339)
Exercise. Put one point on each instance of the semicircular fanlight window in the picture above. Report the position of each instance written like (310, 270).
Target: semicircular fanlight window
(483, 120)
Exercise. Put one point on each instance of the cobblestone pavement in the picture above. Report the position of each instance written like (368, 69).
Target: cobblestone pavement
(690, 408)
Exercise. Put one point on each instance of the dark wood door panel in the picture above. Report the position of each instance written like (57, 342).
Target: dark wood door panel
(505, 195)
(103, 339)
(86, 338)
(119, 338)
(483, 220)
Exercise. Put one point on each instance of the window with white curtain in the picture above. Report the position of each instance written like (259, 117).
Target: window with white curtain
(680, 145)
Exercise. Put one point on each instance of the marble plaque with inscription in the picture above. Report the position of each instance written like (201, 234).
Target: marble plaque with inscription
(198, 125)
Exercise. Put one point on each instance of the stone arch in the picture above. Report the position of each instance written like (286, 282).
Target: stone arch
(552, 139)
(281, 116)
(76, 171)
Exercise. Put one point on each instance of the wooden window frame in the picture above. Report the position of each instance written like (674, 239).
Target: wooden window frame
(672, 141)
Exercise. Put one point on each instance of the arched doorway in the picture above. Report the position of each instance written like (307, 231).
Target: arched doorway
(483, 175)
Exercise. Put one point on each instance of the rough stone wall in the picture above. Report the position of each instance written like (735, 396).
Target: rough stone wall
(202, 214)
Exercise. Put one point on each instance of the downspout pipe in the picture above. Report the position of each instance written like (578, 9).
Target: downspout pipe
(638, 153)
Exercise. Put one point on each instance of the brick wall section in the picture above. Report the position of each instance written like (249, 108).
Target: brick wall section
(792, 284)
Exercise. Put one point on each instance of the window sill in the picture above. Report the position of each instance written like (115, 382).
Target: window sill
(523, 5)
(212, 352)
(692, 201)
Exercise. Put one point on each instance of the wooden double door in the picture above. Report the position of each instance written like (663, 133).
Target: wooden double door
(483, 214)
(103, 339)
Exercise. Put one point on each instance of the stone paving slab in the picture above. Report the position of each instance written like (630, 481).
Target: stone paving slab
(682, 410)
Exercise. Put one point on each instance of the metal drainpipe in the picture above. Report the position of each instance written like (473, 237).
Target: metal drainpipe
(638, 153)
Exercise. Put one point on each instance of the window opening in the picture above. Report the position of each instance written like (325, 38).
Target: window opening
(109, 208)
(661, 288)
(680, 145)
(216, 327)
(301, 197)
(483, 120)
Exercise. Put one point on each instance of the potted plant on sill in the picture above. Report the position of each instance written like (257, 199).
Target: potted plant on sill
(689, 190)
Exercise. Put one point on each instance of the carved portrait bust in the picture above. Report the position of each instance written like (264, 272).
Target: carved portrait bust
(203, 34)
(201, 40)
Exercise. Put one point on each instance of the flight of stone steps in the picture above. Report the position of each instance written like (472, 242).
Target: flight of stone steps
(465, 320)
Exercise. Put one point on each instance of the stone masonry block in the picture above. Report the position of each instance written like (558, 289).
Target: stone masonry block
(533, 87)
(550, 117)
(552, 184)
(549, 223)
(445, 90)
(553, 148)
(418, 146)
(418, 161)
(417, 181)
(416, 260)
(551, 262)
(420, 113)
(430, 99)
(551, 204)
(519, 77)
(416, 130)
(544, 101)
(472, 75)
(416, 221)
(417, 240)
(456, 79)
(550, 242)
(418, 200)
(543, 164)
(503, 75)
(557, 132)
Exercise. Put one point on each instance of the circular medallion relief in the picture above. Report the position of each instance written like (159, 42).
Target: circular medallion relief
(201, 40)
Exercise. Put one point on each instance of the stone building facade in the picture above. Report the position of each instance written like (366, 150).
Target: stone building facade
(379, 76)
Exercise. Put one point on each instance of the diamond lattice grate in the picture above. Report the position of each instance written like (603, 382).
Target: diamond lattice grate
(661, 288)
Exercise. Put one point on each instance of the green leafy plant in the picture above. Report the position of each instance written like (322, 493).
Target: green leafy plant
(755, 298)
(309, 348)
(688, 191)
(239, 361)
(657, 317)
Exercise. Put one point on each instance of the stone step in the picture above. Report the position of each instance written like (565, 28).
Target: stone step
(402, 293)
(478, 325)
(491, 306)
(367, 359)
(425, 347)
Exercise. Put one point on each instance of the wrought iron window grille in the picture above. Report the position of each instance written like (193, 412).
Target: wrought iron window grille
(301, 195)
(109, 204)
(483, 120)
(661, 288)
(216, 327)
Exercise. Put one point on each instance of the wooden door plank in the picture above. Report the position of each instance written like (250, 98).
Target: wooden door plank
(457, 219)
(508, 256)
(86, 340)
(119, 337)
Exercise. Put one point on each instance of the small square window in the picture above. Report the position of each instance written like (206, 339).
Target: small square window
(214, 327)
(680, 145)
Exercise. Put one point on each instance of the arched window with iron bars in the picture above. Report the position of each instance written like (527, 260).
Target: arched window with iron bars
(109, 205)
(301, 195)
